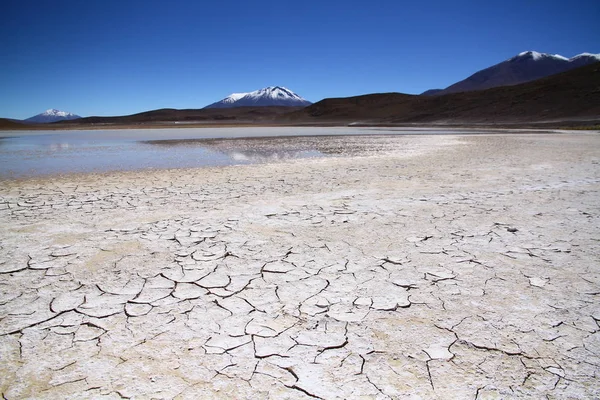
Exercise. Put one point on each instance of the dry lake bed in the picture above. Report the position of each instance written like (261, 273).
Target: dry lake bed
(339, 267)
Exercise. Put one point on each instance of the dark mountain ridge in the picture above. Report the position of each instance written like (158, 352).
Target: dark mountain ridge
(170, 115)
(569, 95)
(525, 67)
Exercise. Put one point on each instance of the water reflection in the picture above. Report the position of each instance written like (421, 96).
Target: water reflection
(244, 151)
(89, 151)
(47, 155)
(59, 146)
(285, 148)
(261, 156)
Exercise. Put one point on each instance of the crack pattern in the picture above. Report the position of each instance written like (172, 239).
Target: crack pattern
(426, 281)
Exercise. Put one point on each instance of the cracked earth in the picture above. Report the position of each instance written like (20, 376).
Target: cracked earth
(467, 267)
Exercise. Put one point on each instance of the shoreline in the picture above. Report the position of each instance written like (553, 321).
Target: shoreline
(102, 151)
(566, 125)
(453, 266)
(256, 147)
(393, 130)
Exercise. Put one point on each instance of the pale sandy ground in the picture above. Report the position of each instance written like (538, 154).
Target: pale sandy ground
(455, 267)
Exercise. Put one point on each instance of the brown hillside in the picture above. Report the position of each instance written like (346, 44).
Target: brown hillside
(567, 96)
(240, 114)
(7, 124)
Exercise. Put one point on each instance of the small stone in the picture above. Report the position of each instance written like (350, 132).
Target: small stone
(537, 282)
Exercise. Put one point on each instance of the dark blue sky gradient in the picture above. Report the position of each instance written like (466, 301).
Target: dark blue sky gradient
(121, 57)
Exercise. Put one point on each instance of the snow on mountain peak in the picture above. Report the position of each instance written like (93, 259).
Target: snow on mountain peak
(538, 56)
(52, 112)
(275, 92)
(596, 56)
(233, 97)
(51, 115)
(269, 96)
(534, 54)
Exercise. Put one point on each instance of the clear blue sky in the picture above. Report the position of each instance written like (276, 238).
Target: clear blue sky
(108, 57)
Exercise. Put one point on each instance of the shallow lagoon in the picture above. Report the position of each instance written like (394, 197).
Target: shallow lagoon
(32, 153)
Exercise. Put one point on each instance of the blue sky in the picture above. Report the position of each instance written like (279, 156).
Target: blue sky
(121, 57)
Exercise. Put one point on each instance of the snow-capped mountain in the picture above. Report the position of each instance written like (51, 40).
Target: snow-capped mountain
(524, 67)
(539, 56)
(270, 96)
(573, 62)
(51, 115)
(232, 98)
(584, 59)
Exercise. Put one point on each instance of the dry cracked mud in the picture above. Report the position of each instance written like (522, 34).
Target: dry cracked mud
(448, 267)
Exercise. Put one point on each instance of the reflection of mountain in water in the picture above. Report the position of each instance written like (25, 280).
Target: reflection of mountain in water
(287, 148)
(257, 156)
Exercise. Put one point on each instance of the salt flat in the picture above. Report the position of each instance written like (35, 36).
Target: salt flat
(443, 267)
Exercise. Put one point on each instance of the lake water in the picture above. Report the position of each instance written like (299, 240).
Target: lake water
(35, 153)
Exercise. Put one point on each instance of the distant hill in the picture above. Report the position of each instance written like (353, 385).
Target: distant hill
(524, 67)
(208, 115)
(569, 95)
(7, 124)
(51, 115)
(270, 96)
(431, 92)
